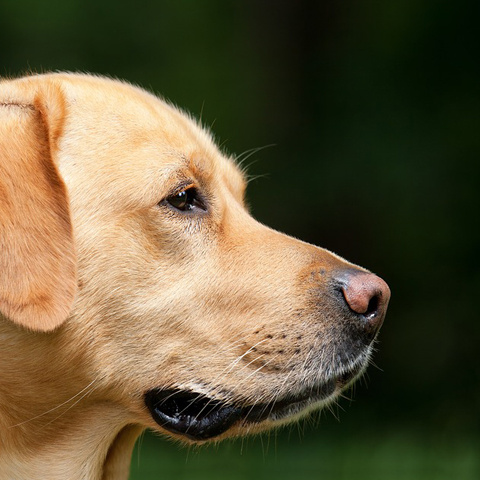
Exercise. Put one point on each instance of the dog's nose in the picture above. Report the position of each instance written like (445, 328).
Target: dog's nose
(367, 296)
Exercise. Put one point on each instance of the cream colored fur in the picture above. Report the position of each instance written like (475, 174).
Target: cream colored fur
(106, 291)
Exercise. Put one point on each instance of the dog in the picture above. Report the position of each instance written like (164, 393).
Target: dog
(137, 292)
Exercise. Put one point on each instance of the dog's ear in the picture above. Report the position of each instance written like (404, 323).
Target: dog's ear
(37, 258)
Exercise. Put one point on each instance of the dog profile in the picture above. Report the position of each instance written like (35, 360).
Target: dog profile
(136, 291)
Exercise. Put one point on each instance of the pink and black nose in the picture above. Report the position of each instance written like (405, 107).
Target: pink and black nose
(367, 297)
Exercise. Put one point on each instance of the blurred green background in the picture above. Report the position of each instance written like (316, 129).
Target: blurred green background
(374, 111)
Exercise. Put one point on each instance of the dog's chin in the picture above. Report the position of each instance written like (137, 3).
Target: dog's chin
(198, 417)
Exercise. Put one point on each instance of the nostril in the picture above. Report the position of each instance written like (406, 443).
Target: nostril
(372, 306)
(366, 295)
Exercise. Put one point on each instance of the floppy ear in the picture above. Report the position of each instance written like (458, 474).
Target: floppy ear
(37, 258)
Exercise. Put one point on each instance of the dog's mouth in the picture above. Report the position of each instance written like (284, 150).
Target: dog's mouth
(200, 417)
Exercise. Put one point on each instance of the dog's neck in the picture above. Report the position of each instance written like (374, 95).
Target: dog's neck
(93, 451)
(50, 421)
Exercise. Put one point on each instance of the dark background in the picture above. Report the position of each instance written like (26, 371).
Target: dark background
(373, 108)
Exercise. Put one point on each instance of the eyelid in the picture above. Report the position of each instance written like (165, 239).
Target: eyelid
(181, 188)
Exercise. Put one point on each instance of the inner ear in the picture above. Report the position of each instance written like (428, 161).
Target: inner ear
(37, 256)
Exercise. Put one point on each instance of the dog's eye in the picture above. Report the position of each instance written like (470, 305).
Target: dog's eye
(186, 200)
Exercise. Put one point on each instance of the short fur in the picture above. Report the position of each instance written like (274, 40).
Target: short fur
(107, 291)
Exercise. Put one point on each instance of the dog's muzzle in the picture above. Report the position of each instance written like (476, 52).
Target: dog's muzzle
(199, 417)
(363, 299)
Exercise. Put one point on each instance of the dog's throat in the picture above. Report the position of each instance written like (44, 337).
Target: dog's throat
(191, 414)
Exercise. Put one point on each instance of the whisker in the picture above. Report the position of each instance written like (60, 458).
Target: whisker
(252, 178)
(243, 157)
(234, 363)
(88, 392)
(212, 399)
(56, 407)
(200, 120)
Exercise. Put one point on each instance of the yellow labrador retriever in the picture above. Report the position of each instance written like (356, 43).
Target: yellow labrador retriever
(136, 291)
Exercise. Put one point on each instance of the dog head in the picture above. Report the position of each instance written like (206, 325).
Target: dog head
(197, 319)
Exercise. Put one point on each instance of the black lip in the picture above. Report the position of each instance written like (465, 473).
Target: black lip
(199, 417)
(190, 414)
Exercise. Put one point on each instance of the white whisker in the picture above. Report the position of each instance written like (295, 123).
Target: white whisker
(58, 406)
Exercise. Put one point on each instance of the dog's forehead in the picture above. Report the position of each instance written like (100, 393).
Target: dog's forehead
(118, 112)
(137, 136)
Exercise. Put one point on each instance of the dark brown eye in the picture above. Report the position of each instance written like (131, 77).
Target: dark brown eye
(185, 200)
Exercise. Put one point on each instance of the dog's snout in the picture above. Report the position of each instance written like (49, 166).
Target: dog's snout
(367, 296)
